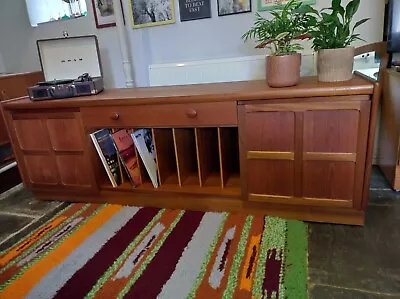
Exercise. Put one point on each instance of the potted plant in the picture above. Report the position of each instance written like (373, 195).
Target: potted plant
(289, 22)
(332, 38)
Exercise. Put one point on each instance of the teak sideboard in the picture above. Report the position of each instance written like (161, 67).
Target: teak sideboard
(303, 152)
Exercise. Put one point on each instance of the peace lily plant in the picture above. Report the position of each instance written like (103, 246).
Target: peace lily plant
(333, 35)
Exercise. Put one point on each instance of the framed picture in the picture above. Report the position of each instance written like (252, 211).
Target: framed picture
(146, 13)
(232, 7)
(104, 14)
(273, 4)
(194, 9)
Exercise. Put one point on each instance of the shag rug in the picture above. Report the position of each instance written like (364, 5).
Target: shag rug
(113, 251)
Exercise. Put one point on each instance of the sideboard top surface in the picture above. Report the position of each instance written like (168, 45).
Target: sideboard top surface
(211, 92)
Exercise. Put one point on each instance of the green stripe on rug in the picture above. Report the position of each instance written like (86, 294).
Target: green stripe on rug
(206, 261)
(296, 260)
(102, 280)
(274, 236)
(152, 254)
(237, 259)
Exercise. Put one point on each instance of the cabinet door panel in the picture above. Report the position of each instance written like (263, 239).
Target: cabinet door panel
(74, 170)
(51, 151)
(328, 180)
(269, 153)
(65, 134)
(41, 169)
(270, 177)
(331, 131)
(270, 131)
(31, 134)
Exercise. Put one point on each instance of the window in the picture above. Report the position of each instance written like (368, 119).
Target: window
(43, 11)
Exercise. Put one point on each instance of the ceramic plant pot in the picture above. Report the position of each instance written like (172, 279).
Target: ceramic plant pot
(335, 65)
(283, 71)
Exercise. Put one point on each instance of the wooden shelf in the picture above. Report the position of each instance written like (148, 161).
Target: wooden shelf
(165, 156)
(185, 153)
(189, 161)
(233, 181)
(190, 189)
(213, 179)
(192, 179)
(208, 156)
(228, 145)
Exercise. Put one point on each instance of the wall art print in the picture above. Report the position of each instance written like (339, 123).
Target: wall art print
(232, 7)
(146, 13)
(273, 4)
(104, 13)
(194, 9)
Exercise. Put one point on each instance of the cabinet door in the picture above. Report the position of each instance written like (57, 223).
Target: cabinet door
(305, 153)
(268, 142)
(334, 148)
(51, 151)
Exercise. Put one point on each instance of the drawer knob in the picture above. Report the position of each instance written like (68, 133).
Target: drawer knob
(191, 113)
(115, 116)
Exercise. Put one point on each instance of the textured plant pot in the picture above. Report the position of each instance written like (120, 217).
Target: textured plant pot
(283, 71)
(335, 65)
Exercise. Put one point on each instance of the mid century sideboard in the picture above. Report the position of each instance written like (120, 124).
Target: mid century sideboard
(302, 152)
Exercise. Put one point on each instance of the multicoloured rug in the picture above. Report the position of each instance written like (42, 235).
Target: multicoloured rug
(112, 251)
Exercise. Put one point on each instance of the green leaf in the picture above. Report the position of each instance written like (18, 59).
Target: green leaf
(337, 7)
(281, 35)
(351, 9)
(304, 9)
(360, 23)
(336, 4)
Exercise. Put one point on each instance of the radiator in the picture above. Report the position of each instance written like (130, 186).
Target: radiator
(217, 70)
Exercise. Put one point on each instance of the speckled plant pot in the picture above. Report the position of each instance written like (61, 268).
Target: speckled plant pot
(335, 65)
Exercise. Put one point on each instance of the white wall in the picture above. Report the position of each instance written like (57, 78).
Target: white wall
(218, 37)
(2, 66)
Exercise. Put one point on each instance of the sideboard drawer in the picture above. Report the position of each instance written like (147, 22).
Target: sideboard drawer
(169, 115)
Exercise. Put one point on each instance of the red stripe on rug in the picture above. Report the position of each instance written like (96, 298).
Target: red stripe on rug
(84, 279)
(272, 271)
(157, 273)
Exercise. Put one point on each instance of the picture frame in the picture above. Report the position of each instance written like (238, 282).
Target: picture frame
(104, 14)
(147, 13)
(264, 5)
(229, 7)
(191, 10)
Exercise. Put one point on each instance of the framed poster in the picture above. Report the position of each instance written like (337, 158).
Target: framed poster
(146, 13)
(104, 14)
(232, 7)
(194, 9)
(274, 4)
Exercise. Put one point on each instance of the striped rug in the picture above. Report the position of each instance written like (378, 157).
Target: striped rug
(112, 251)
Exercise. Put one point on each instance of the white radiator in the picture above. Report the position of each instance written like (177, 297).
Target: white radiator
(217, 70)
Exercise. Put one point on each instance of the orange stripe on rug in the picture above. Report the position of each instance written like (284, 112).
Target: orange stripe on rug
(219, 267)
(4, 260)
(249, 265)
(27, 243)
(14, 269)
(23, 284)
(114, 284)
